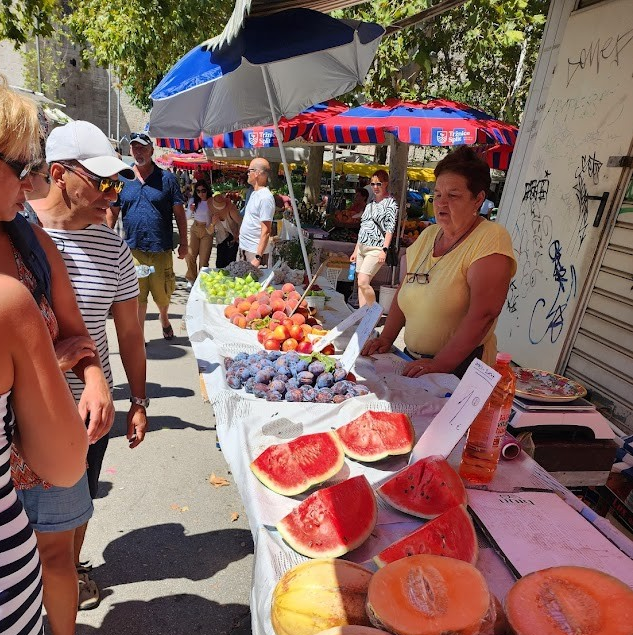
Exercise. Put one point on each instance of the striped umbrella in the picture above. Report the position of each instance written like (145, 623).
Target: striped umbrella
(434, 122)
(261, 136)
(498, 156)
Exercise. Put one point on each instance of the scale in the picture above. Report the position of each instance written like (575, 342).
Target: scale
(571, 440)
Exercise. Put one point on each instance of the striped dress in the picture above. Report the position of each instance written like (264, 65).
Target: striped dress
(102, 272)
(20, 573)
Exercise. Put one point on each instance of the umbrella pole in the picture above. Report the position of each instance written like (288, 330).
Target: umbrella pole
(401, 210)
(282, 151)
(332, 174)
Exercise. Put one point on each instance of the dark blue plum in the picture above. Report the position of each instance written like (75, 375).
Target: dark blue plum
(251, 359)
(292, 383)
(339, 374)
(308, 393)
(248, 385)
(325, 380)
(284, 370)
(294, 394)
(324, 395)
(291, 356)
(301, 365)
(316, 368)
(341, 387)
(278, 386)
(305, 378)
(273, 356)
(243, 374)
(234, 381)
(274, 395)
(241, 357)
(358, 391)
(227, 362)
(267, 363)
(260, 390)
(338, 398)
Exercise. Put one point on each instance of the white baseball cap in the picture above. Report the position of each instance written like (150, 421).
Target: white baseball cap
(84, 142)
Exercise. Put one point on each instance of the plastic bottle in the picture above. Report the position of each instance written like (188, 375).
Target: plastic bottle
(142, 271)
(352, 271)
(483, 444)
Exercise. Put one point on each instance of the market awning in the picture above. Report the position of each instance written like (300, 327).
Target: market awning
(414, 173)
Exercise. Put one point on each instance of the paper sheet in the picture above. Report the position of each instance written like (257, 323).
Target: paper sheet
(537, 530)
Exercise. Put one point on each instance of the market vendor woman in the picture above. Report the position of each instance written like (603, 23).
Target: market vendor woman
(458, 274)
(377, 228)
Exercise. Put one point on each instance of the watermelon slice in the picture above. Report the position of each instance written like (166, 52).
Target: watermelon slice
(451, 534)
(332, 521)
(425, 489)
(376, 435)
(293, 467)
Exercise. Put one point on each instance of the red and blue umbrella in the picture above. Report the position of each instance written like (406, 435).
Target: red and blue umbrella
(434, 122)
(498, 156)
(261, 136)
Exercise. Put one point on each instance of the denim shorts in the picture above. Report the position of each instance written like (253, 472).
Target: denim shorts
(57, 508)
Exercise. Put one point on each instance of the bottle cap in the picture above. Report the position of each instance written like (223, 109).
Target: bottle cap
(504, 357)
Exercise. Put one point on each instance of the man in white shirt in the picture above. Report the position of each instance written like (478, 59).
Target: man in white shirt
(258, 216)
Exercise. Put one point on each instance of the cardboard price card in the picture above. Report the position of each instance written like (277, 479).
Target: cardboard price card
(459, 412)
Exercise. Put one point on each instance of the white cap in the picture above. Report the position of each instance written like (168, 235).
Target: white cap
(85, 143)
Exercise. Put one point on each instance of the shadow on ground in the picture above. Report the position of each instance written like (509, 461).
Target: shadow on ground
(165, 551)
(119, 428)
(182, 614)
(154, 391)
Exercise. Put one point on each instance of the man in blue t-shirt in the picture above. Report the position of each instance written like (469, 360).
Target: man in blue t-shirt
(149, 202)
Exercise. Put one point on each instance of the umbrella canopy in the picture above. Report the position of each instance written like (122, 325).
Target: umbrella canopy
(435, 122)
(193, 162)
(308, 57)
(498, 156)
(414, 173)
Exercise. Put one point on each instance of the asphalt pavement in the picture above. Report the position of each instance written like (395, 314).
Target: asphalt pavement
(172, 553)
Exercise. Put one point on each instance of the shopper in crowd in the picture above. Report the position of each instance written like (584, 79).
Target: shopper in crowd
(32, 393)
(258, 215)
(377, 229)
(84, 171)
(225, 223)
(200, 239)
(458, 274)
(30, 256)
(361, 198)
(149, 202)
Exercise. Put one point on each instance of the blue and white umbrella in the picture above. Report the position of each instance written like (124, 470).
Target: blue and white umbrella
(277, 65)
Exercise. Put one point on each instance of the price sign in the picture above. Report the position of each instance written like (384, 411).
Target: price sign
(363, 333)
(457, 415)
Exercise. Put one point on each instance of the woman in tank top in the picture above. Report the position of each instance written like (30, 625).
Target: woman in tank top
(225, 221)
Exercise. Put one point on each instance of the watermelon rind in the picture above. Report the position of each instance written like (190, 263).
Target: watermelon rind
(425, 489)
(294, 467)
(376, 435)
(451, 534)
(332, 521)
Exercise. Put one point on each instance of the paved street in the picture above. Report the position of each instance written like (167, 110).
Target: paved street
(168, 557)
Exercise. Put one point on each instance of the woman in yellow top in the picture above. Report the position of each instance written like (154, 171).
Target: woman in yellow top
(458, 274)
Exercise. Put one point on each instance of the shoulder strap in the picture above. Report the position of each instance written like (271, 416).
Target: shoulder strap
(25, 241)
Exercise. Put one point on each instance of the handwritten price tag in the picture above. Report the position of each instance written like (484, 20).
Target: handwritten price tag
(457, 415)
(362, 334)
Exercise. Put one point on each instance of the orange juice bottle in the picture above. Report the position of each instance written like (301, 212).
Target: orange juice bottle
(483, 444)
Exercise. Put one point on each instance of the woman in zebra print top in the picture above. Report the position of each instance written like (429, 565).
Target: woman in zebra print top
(377, 229)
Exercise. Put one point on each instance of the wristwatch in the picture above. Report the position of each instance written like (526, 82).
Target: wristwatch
(140, 402)
(258, 257)
(385, 249)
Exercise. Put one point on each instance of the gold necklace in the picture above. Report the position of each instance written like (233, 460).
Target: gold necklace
(216, 207)
(425, 278)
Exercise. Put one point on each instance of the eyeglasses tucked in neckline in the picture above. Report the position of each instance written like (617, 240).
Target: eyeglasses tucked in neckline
(21, 169)
(105, 182)
(420, 278)
(379, 184)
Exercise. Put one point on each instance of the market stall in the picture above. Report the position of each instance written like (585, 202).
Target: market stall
(247, 425)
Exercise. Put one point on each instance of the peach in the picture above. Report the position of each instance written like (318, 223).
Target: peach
(230, 311)
(277, 304)
(287, 323)
(244, 307)
(264, 310)
(239, 321)
(307, 329)
(271, 344)
(273, 324)
(252, 315)
(290, 344)
(304, 347)
(280, 333)
(291, 305)
(297, 318)
(296, 332)
(263, 334)
(238, 300)
(288, 287)
(262, 296)
(279, 316)
(251, 298)
(329, 350)
(293, 295)
(277, 293)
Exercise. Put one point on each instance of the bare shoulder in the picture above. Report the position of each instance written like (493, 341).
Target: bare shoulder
(16, 304)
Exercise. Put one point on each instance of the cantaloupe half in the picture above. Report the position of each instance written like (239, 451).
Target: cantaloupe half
(570, 601)
(353, 630)
(428, 595)
(318, 595)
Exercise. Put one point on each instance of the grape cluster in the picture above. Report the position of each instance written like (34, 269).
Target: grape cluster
(277, 376)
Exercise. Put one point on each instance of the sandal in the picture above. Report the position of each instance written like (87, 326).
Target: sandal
(84, 566)
(89, 597)
(168, 332)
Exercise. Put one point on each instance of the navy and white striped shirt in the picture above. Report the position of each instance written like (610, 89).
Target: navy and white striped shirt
(102, 272)
(20, 573)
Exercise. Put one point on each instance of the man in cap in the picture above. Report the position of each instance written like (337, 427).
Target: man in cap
(84, 171)
(149, 202)
(258, 215)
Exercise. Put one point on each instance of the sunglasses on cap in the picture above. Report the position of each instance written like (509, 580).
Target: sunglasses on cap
(20, 168)
(140, 136)
(105, 183)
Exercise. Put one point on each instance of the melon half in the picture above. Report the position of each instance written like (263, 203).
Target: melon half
(332, 521)
(292, 468)
(376, 435)
(425, 489)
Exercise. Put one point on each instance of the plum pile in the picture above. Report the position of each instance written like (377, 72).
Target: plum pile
(277, 376)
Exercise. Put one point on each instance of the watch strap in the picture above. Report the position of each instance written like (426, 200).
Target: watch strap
(144, 402)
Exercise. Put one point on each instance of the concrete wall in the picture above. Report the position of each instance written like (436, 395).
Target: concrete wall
(84, 91)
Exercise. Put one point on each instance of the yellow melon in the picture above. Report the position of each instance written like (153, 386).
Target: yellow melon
(320, 594)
